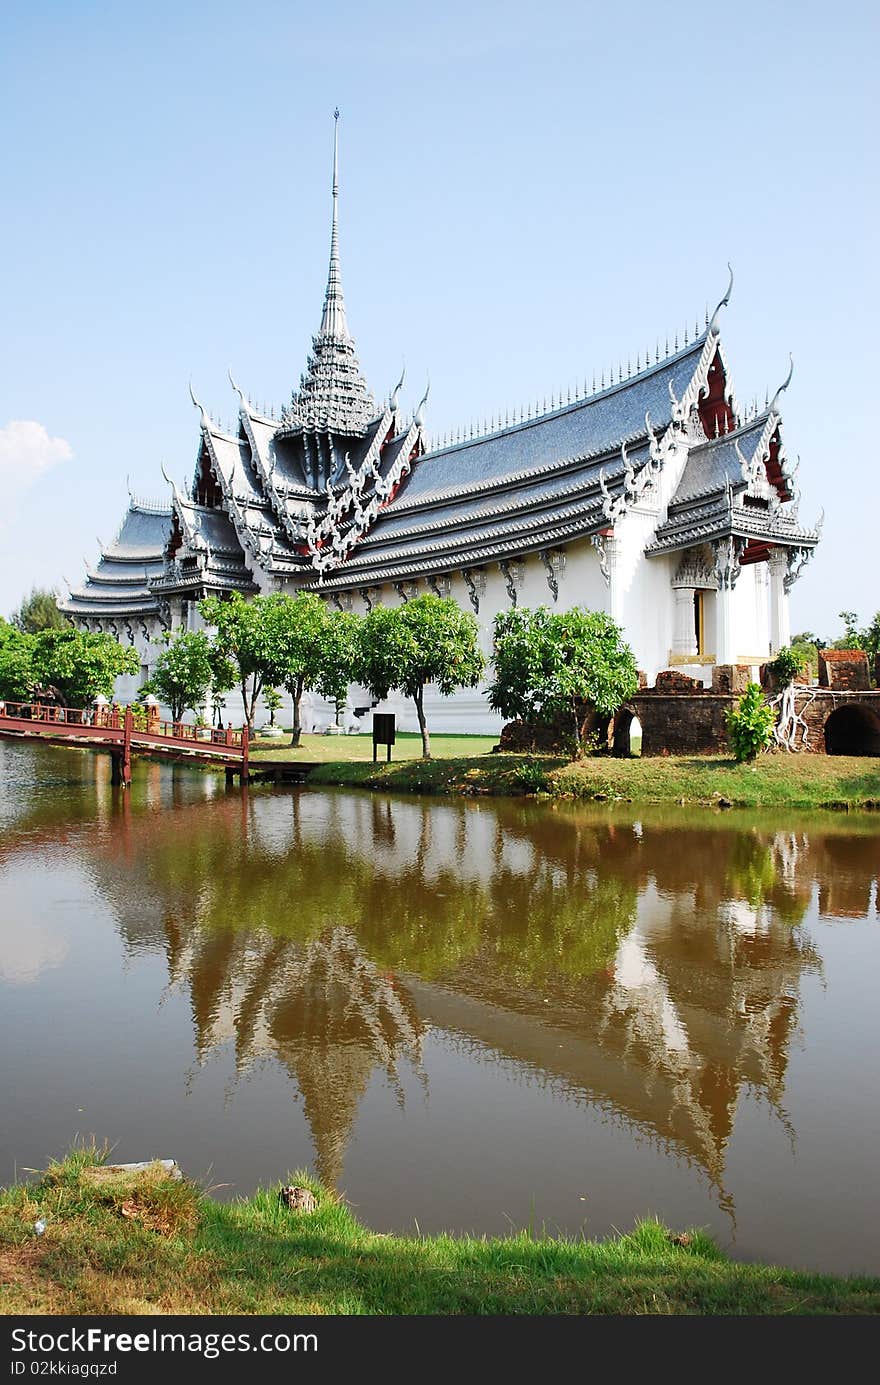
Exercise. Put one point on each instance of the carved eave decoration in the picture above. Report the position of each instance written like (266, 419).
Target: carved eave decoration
(695, 572)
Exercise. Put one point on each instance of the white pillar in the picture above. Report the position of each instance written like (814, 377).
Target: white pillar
(684, 633)
(727, 570)
(725, 643)
(780, 626)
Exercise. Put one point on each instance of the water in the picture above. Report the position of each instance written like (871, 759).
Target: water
(466, 1015)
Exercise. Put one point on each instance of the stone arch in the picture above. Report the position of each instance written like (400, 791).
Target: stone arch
(853, 729)
(626, 726)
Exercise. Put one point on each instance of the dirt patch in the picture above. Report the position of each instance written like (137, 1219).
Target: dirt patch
(23, 1287)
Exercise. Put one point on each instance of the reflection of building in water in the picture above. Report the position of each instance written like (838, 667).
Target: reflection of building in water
(323, 1009)
(653, 971)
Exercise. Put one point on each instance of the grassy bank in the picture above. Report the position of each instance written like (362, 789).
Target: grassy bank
(781, 780)
(147, 1245)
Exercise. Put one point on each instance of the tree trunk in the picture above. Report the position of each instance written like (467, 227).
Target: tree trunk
(577, 748)
(419, 699)
(250, 704)
(296, 693)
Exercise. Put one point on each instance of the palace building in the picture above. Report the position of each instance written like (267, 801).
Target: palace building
(652, 495)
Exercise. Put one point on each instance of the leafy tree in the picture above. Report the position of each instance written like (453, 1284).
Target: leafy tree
(807, 637)
(186, 670)
(39, 611)
(80, 665)
(243, 635)
(16, 663)
(852, 639)
(808, 651)
(547, 665)
(750, 724)
(310, 648)
(427, 640)
(871, 638)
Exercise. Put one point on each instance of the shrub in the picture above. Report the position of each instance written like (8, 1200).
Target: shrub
(531, 777)
(750, 724)
(788, 664)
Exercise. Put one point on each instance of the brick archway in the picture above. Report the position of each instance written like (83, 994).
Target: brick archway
(853, 730)
(626, 723)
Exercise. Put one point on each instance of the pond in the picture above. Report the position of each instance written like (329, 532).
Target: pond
(466, 1015)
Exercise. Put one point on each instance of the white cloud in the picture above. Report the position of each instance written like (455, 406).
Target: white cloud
(26, 451)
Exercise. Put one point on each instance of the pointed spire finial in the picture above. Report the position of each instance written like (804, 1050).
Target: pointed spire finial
(333, 323)
(713, 325)
(199, 405)
(238, 390)
(394, 401)
(784, 386)
(419, 416)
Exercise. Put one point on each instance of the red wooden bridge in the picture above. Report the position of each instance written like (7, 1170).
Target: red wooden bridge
(124, 732)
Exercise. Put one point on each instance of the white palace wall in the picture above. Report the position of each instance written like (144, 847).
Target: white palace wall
(637, 593)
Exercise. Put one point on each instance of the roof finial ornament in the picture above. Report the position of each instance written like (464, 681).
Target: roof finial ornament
(419, 416)
(394, 401)
(127, 487)
(203, 421)
(713, 325)
(784, 386)
(238, 390)
(168, 478)
(333, 322)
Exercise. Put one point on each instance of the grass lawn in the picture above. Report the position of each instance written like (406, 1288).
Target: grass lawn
(147, 1245)
(345, 748)
(794, 781)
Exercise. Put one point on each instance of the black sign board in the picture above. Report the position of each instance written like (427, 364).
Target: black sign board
(383, 732)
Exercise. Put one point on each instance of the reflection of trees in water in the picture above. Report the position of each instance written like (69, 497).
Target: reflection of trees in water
(652, 969)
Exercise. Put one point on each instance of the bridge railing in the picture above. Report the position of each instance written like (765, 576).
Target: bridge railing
(112, 718)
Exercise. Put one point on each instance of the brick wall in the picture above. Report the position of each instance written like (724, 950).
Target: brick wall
(844, 670)
(683, 723)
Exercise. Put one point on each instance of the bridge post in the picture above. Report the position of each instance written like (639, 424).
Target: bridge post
(127, 726)
(245, 737)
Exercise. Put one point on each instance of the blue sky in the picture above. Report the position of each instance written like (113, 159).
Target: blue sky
(529, 193)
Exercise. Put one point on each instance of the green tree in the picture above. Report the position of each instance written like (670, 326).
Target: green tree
(39, 611)
(80, 665)
(185, 672)
(16, 663)
(807, 637)
(750, 724)
(243, 635)
(311, 648)
(871, 638)
(427, 640)
(852, 639)
(548, 665)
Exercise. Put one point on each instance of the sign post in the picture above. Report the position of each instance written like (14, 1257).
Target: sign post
(383, 733)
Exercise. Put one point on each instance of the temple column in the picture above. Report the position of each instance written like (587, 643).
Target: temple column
(725, 644)
(780, 628)
(684, 633)
(727, 570)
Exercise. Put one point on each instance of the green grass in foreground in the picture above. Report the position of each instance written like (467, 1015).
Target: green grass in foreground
(348, 748)
(147, 1245)
(792, 781)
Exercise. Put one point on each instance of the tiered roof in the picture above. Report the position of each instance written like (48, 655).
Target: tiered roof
(341, 493)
